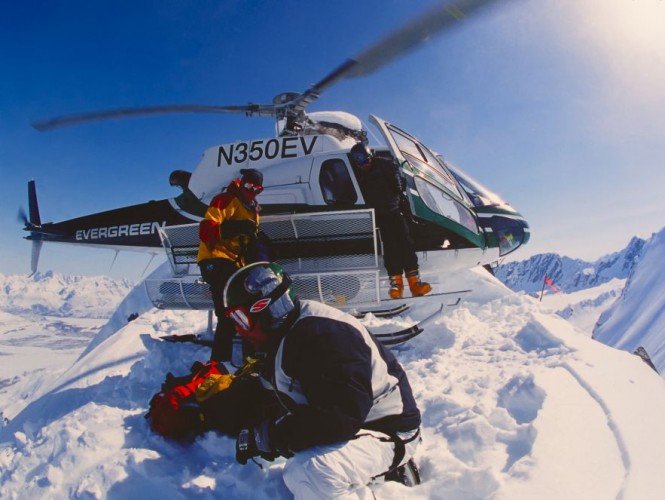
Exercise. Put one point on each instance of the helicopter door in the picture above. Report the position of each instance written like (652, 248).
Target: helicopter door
(443, 201)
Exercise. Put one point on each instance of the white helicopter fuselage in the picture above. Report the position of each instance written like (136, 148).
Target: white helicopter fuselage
(286, 163)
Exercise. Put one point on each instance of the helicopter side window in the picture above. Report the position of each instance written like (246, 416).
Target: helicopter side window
(336, 184)
(407, 145)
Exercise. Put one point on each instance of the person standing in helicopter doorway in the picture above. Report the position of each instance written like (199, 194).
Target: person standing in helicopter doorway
(228, 234)
(382, 187)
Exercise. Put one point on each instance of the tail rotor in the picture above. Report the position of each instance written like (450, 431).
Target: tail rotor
(31, 223)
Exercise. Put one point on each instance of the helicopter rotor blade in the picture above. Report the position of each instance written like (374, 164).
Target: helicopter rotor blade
(66, 120)
(407, 38)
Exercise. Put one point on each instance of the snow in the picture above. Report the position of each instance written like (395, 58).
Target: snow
(343, 118)
(517, 402)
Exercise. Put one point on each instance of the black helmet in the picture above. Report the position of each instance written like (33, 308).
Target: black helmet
(252, 175)
(259, 292)
(360, 154)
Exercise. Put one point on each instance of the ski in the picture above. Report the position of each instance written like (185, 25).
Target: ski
(407, 334)
(188, 337)
(382, 313)
(387, 339)
(391, 339)
(438, 294)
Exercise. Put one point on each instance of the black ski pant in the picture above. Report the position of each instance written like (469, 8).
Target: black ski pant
(399, 255)
(216, 272)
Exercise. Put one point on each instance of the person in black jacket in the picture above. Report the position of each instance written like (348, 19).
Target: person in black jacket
(383, 190)
(349, 414)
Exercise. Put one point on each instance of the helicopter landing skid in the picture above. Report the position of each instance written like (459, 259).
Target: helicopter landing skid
(382, 313)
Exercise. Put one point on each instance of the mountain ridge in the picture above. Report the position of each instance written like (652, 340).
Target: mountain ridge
(569, 274)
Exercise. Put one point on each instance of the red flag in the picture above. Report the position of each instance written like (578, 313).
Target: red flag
(550, 283)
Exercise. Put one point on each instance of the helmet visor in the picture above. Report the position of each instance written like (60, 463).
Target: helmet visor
(263, 281)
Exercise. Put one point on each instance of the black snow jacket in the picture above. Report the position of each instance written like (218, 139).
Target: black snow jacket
(381, 186)
(336, 379)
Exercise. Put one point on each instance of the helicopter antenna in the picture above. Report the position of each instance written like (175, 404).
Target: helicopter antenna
(117, 252)
(290, 106)
(153, 255)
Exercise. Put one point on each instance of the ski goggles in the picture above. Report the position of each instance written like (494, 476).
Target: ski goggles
(254, 188)
(360, 158)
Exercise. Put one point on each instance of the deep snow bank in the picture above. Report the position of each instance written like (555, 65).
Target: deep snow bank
(516, 404)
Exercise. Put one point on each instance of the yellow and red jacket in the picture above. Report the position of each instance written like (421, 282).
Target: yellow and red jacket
(228, 205)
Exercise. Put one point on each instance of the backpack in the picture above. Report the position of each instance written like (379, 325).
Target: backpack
(208, 398)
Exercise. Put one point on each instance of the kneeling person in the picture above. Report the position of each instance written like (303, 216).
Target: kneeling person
(349, 412)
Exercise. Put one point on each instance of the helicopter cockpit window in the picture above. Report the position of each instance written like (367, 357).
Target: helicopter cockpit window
(509, 234)
(479, 195)
(336, 184)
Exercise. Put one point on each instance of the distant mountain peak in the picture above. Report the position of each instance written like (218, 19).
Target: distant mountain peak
(570, 274)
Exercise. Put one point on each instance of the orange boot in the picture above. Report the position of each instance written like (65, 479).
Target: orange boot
(396, 287)
(416, 286)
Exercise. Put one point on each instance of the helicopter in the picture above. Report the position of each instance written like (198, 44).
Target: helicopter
(313, 211)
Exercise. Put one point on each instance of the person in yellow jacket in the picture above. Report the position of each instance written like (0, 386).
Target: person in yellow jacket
(228, 234)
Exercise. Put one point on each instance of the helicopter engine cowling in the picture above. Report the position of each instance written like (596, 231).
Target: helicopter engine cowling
(180, 178)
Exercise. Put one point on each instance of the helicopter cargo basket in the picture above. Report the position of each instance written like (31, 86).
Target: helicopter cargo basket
(331, 257)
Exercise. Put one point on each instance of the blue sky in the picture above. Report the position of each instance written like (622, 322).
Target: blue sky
(557, 105)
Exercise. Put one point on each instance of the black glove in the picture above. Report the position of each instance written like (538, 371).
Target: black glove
(232, 228)
(405, 209)
(254, 443)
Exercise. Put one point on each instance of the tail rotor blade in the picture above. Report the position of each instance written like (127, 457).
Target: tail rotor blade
(33, 206)
(36, 250)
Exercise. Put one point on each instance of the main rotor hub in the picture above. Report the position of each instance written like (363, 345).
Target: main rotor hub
(284, 98)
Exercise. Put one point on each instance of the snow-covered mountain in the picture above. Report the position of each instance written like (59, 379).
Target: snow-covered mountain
(50, 294)
(569, 275)
(517, 402)
(619, 299)
(637, 318)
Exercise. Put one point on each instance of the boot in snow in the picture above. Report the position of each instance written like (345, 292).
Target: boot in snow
(407, 474)
(416, 286)
(396, 287)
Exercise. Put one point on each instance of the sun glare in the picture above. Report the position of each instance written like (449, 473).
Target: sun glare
(632, 24)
